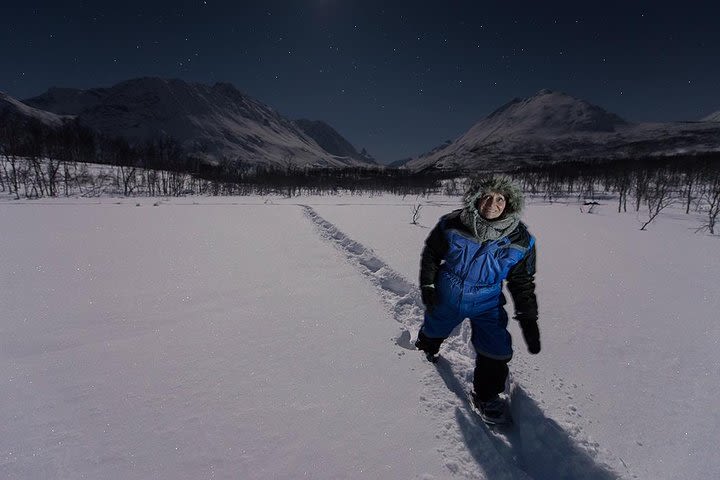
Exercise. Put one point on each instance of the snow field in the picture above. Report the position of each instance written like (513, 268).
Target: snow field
(229, 338)
(197, 341)
(628, 324)
(537, 447)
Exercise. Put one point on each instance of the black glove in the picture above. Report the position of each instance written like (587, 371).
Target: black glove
(531, 333)
(429, 297)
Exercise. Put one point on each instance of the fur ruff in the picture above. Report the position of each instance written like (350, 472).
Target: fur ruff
(492, 229)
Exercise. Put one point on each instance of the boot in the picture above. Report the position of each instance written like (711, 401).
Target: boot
(493, 411)
(431, 346)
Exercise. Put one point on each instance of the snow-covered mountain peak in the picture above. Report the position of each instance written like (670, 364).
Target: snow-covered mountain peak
(550, 111)
(552, 125)
(215, 123)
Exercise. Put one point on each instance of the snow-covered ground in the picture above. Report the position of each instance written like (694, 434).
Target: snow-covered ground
(271, 338)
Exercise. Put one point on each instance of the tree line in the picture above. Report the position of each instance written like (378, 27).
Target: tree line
(649, 183)
(41, 161)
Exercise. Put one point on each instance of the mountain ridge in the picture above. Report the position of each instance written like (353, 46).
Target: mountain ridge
(10, 106)
(555, 126)
(219, 124)
(331, 141)
(215, 123)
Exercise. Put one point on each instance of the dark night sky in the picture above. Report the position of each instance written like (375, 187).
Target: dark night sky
(395, 77)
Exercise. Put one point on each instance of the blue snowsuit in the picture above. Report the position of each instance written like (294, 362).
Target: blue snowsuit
(468, 278)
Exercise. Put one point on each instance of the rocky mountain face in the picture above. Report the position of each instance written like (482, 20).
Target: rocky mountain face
(553, 126)
(68, 101)
(216, 124)
(331, 141)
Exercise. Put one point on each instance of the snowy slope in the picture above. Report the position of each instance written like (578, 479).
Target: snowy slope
(713, 117)
(271, 338)
(555, 126)
(331, 141)
(12, 107)
(217, 123)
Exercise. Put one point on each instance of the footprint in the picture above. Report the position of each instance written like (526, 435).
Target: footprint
(404, 340)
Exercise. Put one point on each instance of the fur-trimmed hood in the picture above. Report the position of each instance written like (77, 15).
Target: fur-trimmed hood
(514, 199)
(507, 222)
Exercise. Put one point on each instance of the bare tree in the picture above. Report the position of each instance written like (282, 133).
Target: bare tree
(641, 187)
(127, 175)
(587, 187)
(691, 179)
(622, 185)
(52, 167)
(416, 214)
(11, 177)
(552, 187)
(658, 198)
(712, 197)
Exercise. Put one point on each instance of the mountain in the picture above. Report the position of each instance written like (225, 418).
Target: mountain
(713, 117)
(548, 112)
(331, 141)
(217, 123)
(399, 163)
(554, 126)
(68, 101)
(14, 110)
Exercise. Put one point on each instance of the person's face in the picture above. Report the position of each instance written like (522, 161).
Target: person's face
(491, 205)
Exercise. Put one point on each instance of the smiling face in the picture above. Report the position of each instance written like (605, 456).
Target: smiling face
(491, 205)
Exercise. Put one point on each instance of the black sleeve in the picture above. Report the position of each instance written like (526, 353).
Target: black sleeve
(435, 249)
(521, 283)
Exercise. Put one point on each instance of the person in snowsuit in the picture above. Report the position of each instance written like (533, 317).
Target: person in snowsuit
(466, 258)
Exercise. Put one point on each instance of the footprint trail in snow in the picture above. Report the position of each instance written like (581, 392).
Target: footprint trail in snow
(535, 447)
